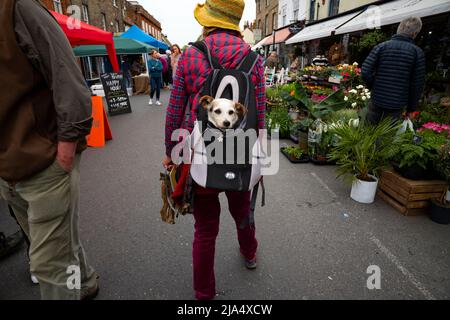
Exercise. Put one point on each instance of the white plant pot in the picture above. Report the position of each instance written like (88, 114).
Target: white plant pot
(364, 191)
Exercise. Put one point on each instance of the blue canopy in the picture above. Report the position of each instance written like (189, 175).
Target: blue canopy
(137, 34)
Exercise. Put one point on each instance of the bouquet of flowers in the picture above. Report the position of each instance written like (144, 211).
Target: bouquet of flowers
(358, 97)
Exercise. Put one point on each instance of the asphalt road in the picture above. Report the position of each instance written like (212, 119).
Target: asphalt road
(314, 241)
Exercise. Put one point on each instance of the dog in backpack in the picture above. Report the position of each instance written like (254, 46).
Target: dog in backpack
(223, 113)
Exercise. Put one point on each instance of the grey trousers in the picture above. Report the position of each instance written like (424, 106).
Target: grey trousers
(46, 206)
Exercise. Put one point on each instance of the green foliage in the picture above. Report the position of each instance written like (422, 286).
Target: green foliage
(294, 152)
(344, 116)
(371, 39)
(422, 149)
(278, 118)
(363, 150)
(432, 113)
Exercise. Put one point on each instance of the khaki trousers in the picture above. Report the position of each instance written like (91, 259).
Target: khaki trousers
(46, 207)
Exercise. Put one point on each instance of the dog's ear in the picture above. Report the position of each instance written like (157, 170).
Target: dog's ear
(240, 109)
(205, 101)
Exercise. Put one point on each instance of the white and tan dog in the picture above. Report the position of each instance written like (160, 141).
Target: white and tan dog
(223, 113)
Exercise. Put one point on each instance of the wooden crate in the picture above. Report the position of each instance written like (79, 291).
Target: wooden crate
(409, 197)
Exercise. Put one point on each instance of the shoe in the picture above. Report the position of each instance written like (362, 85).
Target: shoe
(91, 293)
(158, 103)
(150, 102)
(250, 264)
(34, 279)
(10, 244)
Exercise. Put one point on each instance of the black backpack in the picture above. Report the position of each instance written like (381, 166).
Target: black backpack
(239, 171)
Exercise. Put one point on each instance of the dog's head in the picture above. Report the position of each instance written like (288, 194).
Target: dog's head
(223, 113)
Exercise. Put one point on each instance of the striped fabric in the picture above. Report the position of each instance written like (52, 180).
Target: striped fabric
(193, 69)
(395, 72)
(224, 14)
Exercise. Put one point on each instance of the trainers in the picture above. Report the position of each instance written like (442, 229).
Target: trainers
(250, 264)
(90, 293)
(150, 102)
(158, 103)
(10, 244)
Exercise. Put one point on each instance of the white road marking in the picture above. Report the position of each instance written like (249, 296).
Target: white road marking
(402, 269)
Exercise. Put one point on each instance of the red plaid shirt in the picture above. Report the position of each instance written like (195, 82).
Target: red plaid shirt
(193, 69)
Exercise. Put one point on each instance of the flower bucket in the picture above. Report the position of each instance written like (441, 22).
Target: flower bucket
(364, 191)
(439, 213)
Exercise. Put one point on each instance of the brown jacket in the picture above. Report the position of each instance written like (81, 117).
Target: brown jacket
(43, 96)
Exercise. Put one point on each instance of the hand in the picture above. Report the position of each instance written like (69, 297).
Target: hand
(66, 154)
(167, 163)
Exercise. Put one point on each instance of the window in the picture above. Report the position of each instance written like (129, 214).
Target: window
(312, 10)
(258, 6)
(85, 13)
(295, 6)
(267, 3)
(104, 21)
(58, 6)
(334, 8)
(284, 15)
(117, 26)
(114, 3)
(274, 21)
(266, 25)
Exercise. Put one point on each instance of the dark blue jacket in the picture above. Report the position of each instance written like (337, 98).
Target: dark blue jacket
(155, 68)
(395, 73)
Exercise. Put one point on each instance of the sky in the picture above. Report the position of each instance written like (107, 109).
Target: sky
(177, 18)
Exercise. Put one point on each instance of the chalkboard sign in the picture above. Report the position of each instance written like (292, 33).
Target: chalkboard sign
(115, 93)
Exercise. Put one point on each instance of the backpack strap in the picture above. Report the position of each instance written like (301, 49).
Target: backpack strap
(248, 63)
(250, 220)
(203, 48)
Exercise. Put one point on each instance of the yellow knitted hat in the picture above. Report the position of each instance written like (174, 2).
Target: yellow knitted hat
(224, 14)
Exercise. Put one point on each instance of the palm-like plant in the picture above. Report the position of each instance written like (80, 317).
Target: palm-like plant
(364, 150)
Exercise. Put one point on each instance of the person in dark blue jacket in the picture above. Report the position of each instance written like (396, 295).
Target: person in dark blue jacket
(395, 73)
(155, 69)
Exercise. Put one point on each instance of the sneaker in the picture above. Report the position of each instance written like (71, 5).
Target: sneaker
(250, 264)
(158, 103)
(34, 279)
(90, 293)
(10, 244)
(150, 102)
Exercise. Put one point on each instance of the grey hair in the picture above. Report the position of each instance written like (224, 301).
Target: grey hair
(410, 26)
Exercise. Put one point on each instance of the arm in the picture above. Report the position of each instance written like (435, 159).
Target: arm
(47, 48)
(158, 66)
(260, 92)
(369, 67)
(176, 108)
(417, 81)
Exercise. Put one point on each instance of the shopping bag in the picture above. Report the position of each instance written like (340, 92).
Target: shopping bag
(406, 125)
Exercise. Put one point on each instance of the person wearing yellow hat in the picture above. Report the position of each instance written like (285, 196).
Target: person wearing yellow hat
(220, 20)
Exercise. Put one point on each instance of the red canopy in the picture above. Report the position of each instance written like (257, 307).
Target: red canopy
(80, 33)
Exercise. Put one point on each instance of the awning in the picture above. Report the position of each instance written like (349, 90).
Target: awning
(320, 29)
(80, 33)
(135, 33)
(261, 43)
(394, 12)
(122, 45)
(280, 37)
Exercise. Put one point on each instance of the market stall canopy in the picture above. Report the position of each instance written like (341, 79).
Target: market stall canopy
(394, 12)
(280, 37)
(80, 33)
(261, 43)
(321, 29)
(135, 33)
(122, 45)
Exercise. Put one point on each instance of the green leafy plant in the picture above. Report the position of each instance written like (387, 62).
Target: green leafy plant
(294, 152)
(278, 119)
(363, 150)
(371, 39)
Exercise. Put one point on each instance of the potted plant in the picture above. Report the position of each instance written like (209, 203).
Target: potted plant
(278, 119)
(361, 152)
(295, 154)
(440, 208)
(417, 152)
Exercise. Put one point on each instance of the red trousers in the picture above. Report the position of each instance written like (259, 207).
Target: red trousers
(207, 217)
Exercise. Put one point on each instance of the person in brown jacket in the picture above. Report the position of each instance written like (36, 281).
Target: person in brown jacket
(45, 114)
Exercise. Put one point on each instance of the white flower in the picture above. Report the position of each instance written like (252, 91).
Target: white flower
(366, 90)
(345, 65)
(364, 98)
(363, 94)
(353, 91)
(354, 104)
(345, 98)
(355, 64)
(353, 123)
(360, 87)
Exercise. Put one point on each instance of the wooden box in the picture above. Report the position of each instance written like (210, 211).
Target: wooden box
(409, 197)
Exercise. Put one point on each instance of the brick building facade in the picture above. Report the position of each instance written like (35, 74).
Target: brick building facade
(144, 20)
(266, 16)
